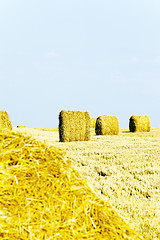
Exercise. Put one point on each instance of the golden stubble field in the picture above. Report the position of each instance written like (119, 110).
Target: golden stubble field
(124, 169)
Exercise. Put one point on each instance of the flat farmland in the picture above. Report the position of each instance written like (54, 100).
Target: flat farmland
(124, 169)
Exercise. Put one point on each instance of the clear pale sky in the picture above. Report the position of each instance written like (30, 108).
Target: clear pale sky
(99, 56)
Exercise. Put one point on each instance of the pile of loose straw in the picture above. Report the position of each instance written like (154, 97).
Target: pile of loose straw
(43, 197)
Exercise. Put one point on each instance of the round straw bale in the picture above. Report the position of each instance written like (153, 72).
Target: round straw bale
(5, 121)
(87, 126)
(107, 125)
(21, 126)
(74, 126)
(93, 122)
(139, 124)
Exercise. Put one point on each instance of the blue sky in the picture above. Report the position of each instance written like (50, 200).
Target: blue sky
(90, 55)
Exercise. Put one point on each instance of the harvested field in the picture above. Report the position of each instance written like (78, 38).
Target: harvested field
(124, 168)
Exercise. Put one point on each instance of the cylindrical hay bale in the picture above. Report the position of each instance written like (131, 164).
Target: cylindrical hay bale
(5, 121)
(107, 125)
(88, 126)
(93, 122)
(74, 126)
(139, 124)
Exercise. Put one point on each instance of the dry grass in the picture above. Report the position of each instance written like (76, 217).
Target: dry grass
(124, 168)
